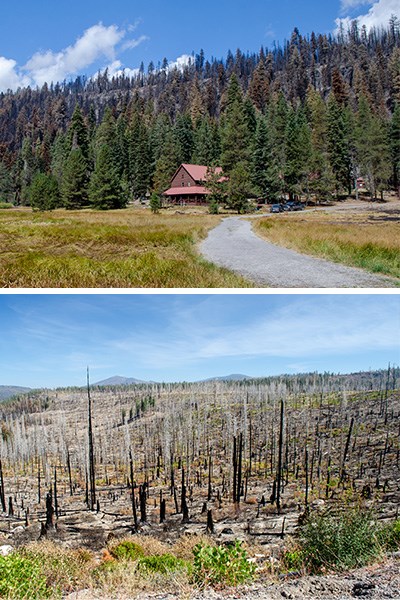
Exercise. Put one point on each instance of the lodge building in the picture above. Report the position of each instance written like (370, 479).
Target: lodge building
(188, 185)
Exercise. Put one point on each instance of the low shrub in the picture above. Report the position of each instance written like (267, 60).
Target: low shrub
(161, 563)
(220, 565)
(127, 550)
(389, 536)
(339, 541)
(22, 577)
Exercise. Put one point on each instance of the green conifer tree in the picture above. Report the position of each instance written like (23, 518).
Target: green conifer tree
(105, 190)
(74, 189)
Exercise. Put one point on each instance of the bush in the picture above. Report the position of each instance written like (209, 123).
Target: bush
(22, 577)
(341, 541)
(161, 563)
(389, 536)
(127, 550)
(221, 565)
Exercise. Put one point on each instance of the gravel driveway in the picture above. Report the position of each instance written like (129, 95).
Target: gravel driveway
(234, 245)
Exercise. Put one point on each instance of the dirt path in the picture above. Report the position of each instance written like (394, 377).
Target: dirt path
(234, 245)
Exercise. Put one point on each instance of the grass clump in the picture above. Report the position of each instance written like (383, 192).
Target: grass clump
(335, 542)
(22, 577)
(161, 563)
(220, 565)
(356, 241)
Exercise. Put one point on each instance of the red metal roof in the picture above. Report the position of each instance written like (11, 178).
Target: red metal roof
(187, 191)
(199, 172)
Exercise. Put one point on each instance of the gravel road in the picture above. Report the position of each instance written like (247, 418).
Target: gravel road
(234, 245)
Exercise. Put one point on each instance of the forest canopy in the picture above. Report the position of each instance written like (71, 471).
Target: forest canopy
(306, 118)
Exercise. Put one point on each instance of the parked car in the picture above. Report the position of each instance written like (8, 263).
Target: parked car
(292, 205)
(276, 208)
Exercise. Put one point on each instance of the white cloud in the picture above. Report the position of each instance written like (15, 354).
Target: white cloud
(10, 78)
(115, 69)
(97, 43)
(350, 4)
(377, 16)
(181, 62)
(305, 332)
(130, 44)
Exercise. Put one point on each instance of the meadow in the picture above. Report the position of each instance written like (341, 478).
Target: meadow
(113, 249)
(368, 238)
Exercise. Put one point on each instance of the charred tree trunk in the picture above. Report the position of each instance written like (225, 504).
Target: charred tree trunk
(280, 453)
(2, 495)
(55, 493)
(142, 502)
(184, 506)
(135, 519)
(342, 471)
(92, 476)
(71, 493)
(49, 511)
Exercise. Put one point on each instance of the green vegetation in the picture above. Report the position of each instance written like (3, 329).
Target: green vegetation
(220, 565)
(161, 563)
(345, 540)
(107, 249)
(368, 245)
(22, 577)
(127, 550)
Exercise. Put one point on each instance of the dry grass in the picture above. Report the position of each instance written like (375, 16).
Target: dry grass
(115, 249)
(361, 239)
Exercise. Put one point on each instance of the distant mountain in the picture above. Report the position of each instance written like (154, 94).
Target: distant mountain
(117, 380)
(233, 377)
(6, 391)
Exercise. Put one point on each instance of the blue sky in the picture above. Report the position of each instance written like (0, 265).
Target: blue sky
(42, 41)
(48, 340)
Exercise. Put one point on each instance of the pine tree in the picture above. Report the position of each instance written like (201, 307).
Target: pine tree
(259, 87)
(74, 188)
(44, 193)
(372, 144)
(394, 139)
(183, 132)
(139, 157)
(339, 146)
(105, 190)
(6, 187)
(77, 133)
(265, 170)
(297, 153)
(240, 189)
(235, 133)
(206, 142)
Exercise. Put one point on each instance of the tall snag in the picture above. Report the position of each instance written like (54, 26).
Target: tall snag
(92, 479)
(279, 469)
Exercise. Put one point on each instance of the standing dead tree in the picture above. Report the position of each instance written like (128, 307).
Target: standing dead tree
(92, 477)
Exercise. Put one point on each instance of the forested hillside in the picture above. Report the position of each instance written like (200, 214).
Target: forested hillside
(306, 118)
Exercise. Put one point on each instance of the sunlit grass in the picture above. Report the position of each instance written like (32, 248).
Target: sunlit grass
(353, 240)
(129, 248)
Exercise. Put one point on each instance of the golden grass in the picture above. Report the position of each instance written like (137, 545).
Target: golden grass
(367, 240)
(115, 249)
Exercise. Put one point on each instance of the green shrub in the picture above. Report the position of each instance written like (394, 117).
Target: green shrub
(293, 560)
(22, 577)
(127, 550)
(340, 541)
(389, 536)
(161, 563)
(221, 565)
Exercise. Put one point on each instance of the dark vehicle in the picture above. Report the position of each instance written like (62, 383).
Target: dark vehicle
(291, 205)
(276, 208)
